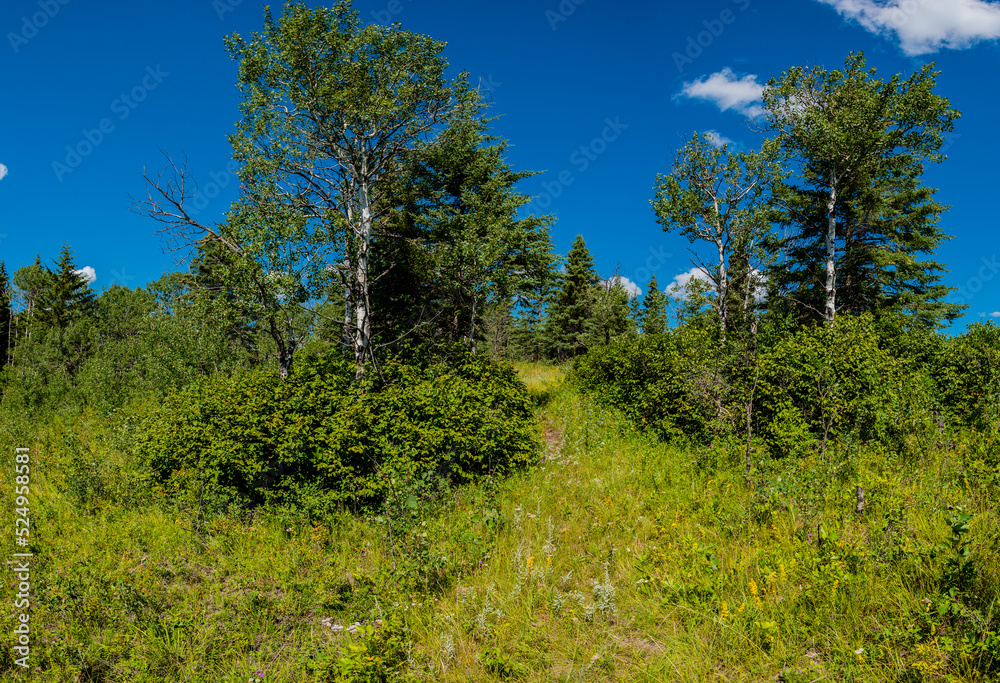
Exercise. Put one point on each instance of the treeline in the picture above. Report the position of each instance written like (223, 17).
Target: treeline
(815, 323)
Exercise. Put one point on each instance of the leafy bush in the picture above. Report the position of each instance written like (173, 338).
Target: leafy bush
(816, 385)
(828, 381)
(664, 382)
(967, 372)
(319, 439)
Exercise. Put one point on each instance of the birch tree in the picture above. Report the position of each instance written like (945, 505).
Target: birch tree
(720, 198)
(331, 110)
(858, 145)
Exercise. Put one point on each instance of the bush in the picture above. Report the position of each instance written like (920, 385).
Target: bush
(825, 382)
(818, 384)
(967, 373)
(663, 381)
(320, 439)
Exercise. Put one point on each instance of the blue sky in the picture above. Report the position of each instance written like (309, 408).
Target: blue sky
(597, 94)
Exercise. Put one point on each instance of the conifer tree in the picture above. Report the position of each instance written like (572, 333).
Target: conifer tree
(571, 321)
(653, 316)
(67, 296)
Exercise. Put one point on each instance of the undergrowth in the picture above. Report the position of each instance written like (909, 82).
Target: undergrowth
(616, 558)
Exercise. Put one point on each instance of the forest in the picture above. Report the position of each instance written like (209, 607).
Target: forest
(377, 429)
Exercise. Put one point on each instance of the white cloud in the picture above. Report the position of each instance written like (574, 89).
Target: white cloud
(3, 171)
(727, 91)
(924, 26)
(633, 289)
(678, 288)
(718, 139)
(87, 273)
(995, 314)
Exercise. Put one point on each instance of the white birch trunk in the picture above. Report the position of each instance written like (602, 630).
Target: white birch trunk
(362, 322)
(831, 252)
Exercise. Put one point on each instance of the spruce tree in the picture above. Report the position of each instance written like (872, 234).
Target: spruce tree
(862, 222)
(654, 309)
(67, 296)
(571, 321)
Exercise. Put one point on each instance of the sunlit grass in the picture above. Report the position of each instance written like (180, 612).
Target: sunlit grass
(617, 558)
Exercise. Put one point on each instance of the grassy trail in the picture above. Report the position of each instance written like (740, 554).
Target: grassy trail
(618, 558)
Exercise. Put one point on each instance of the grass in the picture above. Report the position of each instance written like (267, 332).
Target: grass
(617, 558)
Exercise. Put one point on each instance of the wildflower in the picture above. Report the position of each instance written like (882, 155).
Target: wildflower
(724, 612)
(784, 576)
(742, 607)
(771, 577)
(754, 591)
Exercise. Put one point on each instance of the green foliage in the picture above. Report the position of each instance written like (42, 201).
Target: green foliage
(571, 316)
(612, 316)
(661, 381)
(374, 652)
(861, 218)
(320, 439)
(967, 372)
(827, 382)
(653, 316)
(724, 200)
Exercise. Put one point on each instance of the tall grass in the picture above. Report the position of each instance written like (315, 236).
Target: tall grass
(617, 558)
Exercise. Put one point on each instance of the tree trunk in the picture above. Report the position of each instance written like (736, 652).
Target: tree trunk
(831, 252)
(362, 305)
(723, 292)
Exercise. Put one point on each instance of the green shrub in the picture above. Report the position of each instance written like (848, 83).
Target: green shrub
(967, 372)
(664, 381)
(319, 439)
(825, 382)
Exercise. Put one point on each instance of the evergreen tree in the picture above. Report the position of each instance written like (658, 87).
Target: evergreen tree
(453, 251)
(571, 321)
(67, 296)
(860, 217)
(653, 316)
(539, 282)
